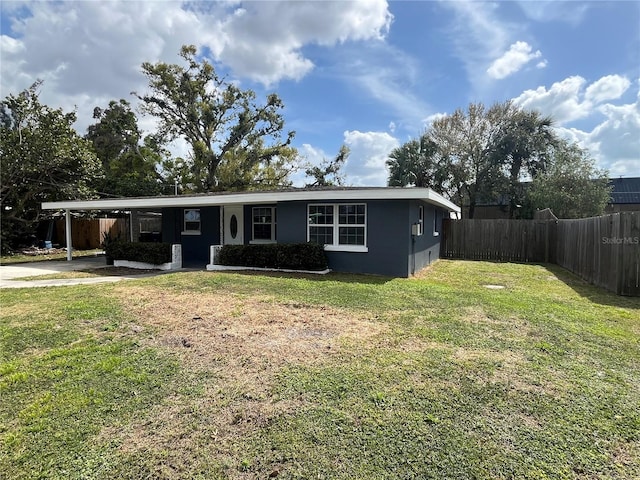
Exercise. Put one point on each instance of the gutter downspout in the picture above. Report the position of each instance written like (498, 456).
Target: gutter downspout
(67, 230)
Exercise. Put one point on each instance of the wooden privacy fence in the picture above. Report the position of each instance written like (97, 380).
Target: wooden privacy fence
(87, 233)
(603, 250)
(501, 240)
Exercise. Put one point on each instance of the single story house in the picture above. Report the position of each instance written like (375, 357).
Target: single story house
(390, 231)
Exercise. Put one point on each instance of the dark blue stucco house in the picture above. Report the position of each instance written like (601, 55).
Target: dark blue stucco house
(385, 231)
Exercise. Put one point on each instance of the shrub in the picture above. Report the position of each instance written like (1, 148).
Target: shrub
(291, 256)
(147, 252)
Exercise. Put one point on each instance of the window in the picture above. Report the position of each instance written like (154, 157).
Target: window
(421, 219)
(338, 227)
(150, 224)
(436, 224)
(264, 224)
(191, 221)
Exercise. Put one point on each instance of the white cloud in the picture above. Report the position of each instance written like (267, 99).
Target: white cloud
(265, 38)
(562, 101)
(552, 10)
(614, 140)
(389, 76)
(618, 138)
(94, 50)
(432, 118)
(369, 152)
(610, 87)
(476, 25)
(568, 100)
(478, 36)
(518, 55)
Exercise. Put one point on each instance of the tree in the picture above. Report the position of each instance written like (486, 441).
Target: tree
(43, 159)
(415, 163)
(129, 161)
(476, 155)
(466, 142)
(328, 172)
(572, 186)
(523, 147)
(239, 172)
(218, 120)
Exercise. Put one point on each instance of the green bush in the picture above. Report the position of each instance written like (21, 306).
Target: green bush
(291, 256)
(147, 252)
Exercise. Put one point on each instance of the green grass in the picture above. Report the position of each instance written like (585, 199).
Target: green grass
(538, 380)
(20, 258)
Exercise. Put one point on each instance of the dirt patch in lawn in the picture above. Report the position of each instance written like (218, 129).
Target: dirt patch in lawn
(209, 330)
(231, 347)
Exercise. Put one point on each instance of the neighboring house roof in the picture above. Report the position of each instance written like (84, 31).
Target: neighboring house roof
(625, 190)
(274, 196)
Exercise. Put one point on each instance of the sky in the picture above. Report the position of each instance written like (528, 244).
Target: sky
(370, 74)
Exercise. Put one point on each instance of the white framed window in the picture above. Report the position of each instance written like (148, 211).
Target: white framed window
(341, 226)
(436, 224)
(191, 225)
(263, 224)
(421, 219)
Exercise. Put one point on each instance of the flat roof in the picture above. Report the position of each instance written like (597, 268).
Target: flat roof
(272, 196)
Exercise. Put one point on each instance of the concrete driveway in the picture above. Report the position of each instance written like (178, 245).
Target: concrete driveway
(10, 275)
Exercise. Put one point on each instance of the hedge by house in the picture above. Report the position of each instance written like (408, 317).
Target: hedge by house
(290, 256)
(147, 252)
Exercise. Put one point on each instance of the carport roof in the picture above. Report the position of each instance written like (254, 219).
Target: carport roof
(273, 196)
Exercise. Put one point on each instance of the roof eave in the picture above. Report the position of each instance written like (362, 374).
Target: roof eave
(424, 194)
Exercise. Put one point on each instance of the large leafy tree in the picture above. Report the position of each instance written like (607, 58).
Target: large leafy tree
(466, 142)
(130, 162)
(238, 171)
(43, 159)
(476, 155)
(220, 121)
(571, 186)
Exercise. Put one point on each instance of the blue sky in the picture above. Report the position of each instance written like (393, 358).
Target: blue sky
(371, 74)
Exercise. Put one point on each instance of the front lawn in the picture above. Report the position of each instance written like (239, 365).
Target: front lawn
(227, 375)
(43, 255)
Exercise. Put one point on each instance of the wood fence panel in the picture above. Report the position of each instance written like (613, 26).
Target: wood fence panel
(87, 233)
(501, 240)
(604, 251)
(629, 257)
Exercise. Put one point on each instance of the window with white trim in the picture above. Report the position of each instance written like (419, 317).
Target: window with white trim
(436, 224)
(191, 221)
(339, 225)
(263, 221)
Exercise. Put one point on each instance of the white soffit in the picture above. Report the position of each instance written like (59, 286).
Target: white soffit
(245, 198)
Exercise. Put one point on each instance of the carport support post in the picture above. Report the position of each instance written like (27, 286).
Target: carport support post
(67, 231)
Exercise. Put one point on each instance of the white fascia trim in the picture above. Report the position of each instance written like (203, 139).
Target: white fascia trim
(249, 198)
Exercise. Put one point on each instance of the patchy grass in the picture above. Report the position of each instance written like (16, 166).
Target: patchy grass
(43, 256)
(92, 273)
(244, 375)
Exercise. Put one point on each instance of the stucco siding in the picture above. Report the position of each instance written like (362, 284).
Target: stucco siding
(195, 248)
(425, 248)
(387, 237)
(292, 222)
(392, 250)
